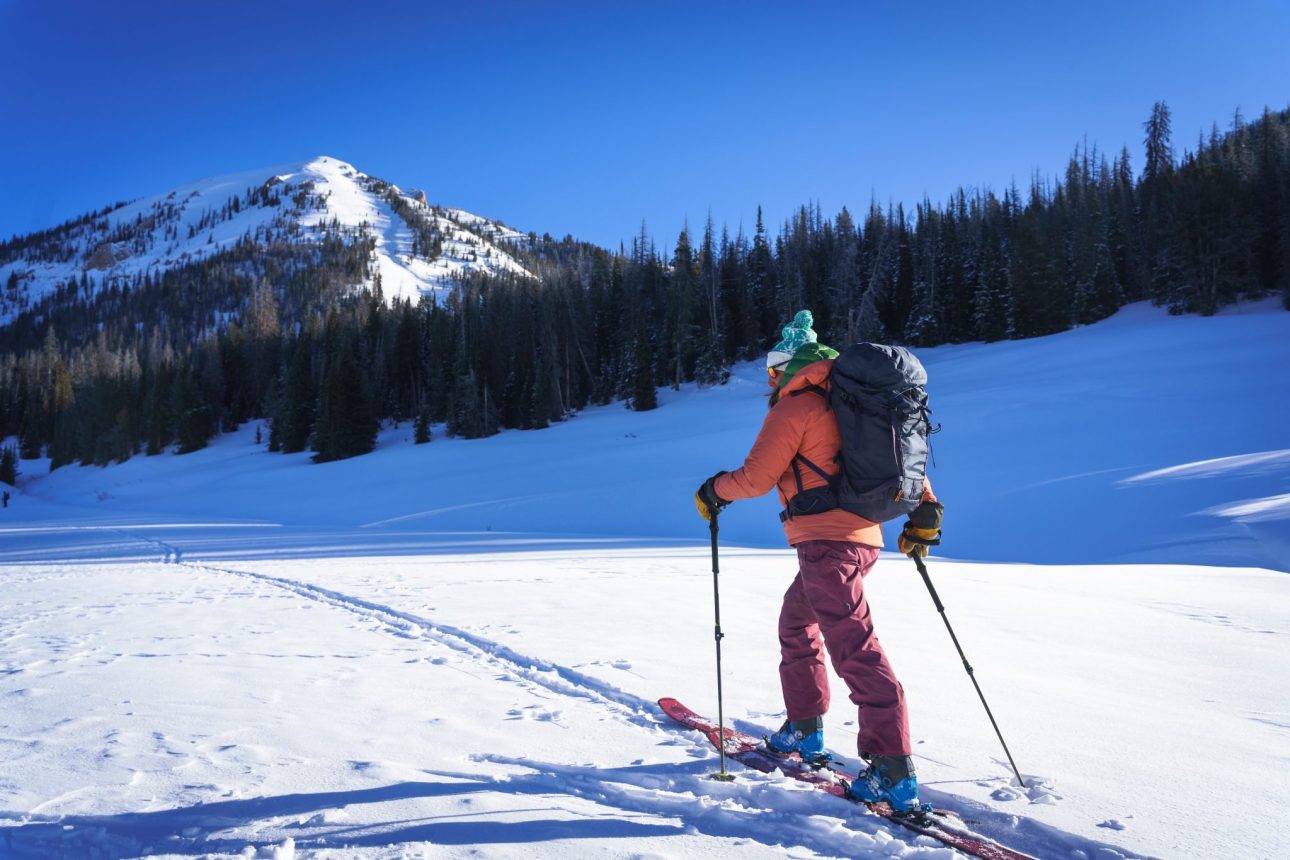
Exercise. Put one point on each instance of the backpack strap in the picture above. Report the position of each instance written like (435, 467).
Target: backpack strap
(816, 389)
(830, 480)
(814, 468)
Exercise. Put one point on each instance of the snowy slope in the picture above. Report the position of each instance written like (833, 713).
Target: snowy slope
(191, 222)
(1090, 446)
(452, 650)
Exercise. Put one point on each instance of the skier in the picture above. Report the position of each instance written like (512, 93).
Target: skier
(825, 607)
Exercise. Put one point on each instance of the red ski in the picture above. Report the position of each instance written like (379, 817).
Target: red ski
(750, 751)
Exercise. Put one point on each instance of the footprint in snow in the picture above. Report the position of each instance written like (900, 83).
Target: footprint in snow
(1041, 790)
(1037, 789)
(533, 712)
(327, 816)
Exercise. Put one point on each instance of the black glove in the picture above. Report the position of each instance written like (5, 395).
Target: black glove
(707, 500)
(922, 529)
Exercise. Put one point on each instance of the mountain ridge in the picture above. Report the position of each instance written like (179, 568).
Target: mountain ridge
(418, 248)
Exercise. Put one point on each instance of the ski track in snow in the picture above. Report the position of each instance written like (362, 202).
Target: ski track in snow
(757, 806)
(551, 677)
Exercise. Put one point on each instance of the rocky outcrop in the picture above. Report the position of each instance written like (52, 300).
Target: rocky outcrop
(105, 256)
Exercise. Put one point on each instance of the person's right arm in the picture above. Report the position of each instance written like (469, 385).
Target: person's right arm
(778, 442)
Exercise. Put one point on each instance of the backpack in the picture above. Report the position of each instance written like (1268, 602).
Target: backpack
(877, 395)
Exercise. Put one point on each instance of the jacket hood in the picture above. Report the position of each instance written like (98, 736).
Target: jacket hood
(814, 371)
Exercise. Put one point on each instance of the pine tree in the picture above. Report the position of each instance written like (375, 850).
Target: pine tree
(422, 426)
(1159, 161)
(869, 323)
(9, 465)
(294, 423)
(30, 434)
(194, 423)
(644, 396)
(1160, 246)
(346, 425)
(990, 300)
(682, 288)
(762, 320)
(922, 328)
(842, 281)
(158, 429)
(62, 442)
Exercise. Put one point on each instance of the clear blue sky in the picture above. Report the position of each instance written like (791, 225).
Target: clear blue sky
(587, 117)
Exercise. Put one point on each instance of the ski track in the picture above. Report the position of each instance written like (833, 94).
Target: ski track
(758, 806)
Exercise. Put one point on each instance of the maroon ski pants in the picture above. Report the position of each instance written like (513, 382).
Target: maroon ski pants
(825, 609)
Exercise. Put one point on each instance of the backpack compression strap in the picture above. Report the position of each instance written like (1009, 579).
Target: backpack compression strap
(786, 514)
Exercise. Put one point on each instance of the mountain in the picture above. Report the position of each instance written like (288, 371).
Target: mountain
(416, 248)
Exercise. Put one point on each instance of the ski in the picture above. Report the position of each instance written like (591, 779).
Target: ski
(750, 751)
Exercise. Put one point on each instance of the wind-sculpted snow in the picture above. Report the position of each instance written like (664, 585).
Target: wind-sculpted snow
(1262, 463)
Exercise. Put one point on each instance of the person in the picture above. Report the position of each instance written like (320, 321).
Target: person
(825, 609)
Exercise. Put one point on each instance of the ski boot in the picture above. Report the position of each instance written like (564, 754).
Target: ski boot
(890, 780)
(804, 737)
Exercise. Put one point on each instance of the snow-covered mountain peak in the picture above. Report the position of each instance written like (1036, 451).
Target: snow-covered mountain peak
(417, 248)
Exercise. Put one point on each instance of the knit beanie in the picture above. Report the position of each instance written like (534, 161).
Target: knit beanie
(796, 334)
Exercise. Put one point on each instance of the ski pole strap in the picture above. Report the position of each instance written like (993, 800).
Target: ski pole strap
(912, 538)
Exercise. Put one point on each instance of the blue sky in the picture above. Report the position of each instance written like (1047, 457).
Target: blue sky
(587, 117)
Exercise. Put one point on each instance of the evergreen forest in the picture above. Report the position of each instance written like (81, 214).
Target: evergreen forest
(273, 330)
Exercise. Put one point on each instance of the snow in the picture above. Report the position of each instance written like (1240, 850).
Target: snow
(454, 649)
(342, 195)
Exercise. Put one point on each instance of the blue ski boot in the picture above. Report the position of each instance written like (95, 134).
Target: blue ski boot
(804, 737)
(889, 779)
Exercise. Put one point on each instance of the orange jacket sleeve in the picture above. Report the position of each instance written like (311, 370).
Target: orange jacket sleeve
(778, 442)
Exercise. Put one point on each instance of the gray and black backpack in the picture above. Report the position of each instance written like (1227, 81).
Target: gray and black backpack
(877, 395)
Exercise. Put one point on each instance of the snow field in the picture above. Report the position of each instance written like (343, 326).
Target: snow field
(453, 650)
(333, 702)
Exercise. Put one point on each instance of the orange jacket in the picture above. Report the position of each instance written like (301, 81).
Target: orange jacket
(800, 425)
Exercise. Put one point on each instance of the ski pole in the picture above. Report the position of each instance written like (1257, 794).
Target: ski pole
(716, 601)
(940, 607)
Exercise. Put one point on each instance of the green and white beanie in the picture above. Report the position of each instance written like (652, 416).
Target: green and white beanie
(797, 334)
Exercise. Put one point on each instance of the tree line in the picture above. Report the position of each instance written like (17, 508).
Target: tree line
(272, 329)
